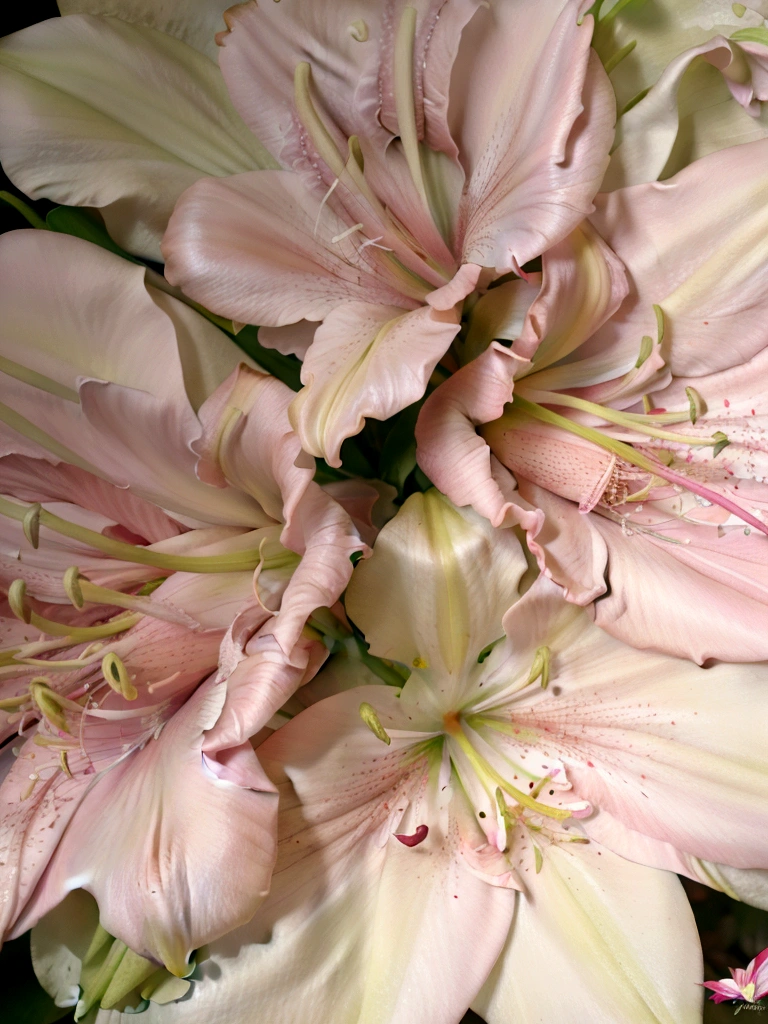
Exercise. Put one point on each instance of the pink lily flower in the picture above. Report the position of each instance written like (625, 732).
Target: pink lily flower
(504, 832)
(747, 985)
(636, 431)
(420, 148)
(162, 544)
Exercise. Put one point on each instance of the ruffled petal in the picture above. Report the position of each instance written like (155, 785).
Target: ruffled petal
(97, 112)
(648, 131)
(366, 361)
(195, 22)
(695, 246)
(533, 114)
(115, 375)
(183, 823)
(449, 450)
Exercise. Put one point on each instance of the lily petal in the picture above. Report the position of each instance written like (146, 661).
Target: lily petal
(98, 112)
(115, 375)
(266, 227)
(195, 22)
(366, 361)
(520, 139)
(450, 451)
(220, 810)
(439, 578)
(648, 131)
(695, 246)
(601, 939)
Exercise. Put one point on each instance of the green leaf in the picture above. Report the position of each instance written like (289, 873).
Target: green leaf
(285, 368)
(398, 453)
(71, 220)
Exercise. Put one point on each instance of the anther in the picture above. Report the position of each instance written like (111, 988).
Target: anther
(418, 836)
(17, 599)
(359, 31)
(72, 587)
(540, 667)
(646, 347)
(117, 676)
(30, 524)
(696, 404)
(49, 704)
(64, 764)
(371, 719)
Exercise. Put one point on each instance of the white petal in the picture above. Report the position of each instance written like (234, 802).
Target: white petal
(597, 939)
(100, 113)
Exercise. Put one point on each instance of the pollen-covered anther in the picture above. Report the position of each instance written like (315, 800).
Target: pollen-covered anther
(418, 836)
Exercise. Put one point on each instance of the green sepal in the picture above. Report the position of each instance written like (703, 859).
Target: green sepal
(71, 220)
(285, 368)
(398, 453)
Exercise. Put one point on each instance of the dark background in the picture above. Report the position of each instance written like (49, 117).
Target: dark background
(731, 933)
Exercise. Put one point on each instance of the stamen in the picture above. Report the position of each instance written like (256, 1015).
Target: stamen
(64, 764)
(22, 610)
(646, 347)
(310, 119)
(418, 836)
(79, 589)
(320, 209)
(242, 561)
(26, 428)
(371, 719)
(488, 773)
(636, 458)
(52, 704)
(619, 56)
(540, 667)
(38, 380)
(697, 405)
(633, 421)
(117, 676)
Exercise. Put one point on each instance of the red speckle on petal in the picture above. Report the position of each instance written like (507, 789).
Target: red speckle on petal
(418, 836)
(589, 763)
(706, 323)
(753, 412)
(726, 403)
